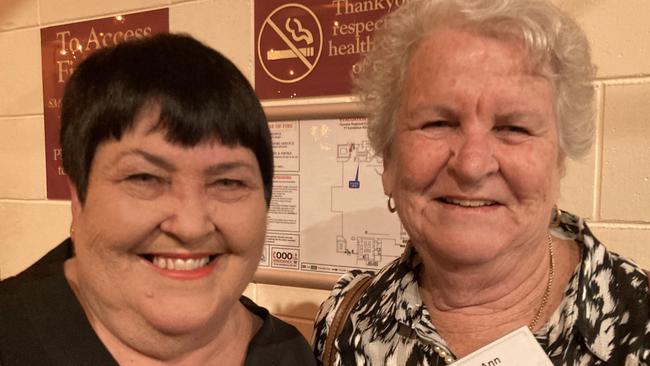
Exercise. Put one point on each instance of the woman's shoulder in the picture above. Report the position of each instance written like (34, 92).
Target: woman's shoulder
(380, 280)
(600, 256)
(328, 308)
(597, 255)
(41, 316)
(373, 285)
(346, 283)
(50, 265)
(276, 342)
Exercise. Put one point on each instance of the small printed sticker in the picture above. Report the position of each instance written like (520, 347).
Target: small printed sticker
(285, 258)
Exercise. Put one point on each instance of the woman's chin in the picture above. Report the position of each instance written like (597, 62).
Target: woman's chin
(466, 251)
(174, 319)
(179, 323)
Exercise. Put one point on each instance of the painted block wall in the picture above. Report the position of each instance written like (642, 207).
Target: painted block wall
(611, 187)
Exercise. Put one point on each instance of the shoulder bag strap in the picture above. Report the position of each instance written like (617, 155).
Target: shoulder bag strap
(342, 313)
(647, 273)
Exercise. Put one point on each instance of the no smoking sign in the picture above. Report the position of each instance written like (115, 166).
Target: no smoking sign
(289, 44)
(312, 48)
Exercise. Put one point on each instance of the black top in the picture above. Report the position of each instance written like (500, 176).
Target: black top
(42, 323)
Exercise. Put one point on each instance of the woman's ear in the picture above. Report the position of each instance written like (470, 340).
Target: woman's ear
(75, 205)
(387, 177)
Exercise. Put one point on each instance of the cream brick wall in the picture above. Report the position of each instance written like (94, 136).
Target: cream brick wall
(611, 187)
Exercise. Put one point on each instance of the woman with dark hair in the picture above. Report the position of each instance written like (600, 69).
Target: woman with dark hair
(170, 168)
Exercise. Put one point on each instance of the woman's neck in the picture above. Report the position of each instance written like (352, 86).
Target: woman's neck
(472, 306)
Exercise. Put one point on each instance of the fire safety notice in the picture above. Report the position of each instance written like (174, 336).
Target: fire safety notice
(328, 210)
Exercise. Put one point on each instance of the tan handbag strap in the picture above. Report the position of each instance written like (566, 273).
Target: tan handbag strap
(647, 273)
(340, 317)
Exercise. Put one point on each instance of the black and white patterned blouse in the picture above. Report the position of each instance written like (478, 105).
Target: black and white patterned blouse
(602, 320)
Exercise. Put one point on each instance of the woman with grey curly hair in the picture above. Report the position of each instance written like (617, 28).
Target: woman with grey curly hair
(474, 106)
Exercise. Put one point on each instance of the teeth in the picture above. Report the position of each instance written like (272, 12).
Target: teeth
(178, 264)
(160, 262)
(469, 203)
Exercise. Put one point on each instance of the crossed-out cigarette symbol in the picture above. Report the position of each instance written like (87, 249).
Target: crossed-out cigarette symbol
(295, 33)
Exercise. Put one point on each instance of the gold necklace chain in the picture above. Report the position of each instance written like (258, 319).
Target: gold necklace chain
(547, 292)
(447, 358)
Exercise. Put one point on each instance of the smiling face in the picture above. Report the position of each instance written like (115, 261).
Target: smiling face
(168, 236)
(474, 165)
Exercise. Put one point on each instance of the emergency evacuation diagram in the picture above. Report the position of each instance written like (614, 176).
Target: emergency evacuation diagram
(343, 217)
(328, 210)
(367, 247)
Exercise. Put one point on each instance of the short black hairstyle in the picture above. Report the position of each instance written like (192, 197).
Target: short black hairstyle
(201, 94)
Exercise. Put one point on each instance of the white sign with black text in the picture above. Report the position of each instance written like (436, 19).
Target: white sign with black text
(514, 349)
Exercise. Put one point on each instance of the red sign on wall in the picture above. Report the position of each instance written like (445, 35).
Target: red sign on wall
(62, 48)
(311, 48)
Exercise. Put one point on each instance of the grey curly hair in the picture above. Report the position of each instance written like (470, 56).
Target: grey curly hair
(556, 46)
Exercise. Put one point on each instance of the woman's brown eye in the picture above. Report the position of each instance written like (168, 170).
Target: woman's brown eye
(512, 128)
(143, 178)
(437, 124)
(229, 183)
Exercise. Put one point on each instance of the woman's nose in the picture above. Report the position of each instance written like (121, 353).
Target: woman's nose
(189, 219)
(472, 158)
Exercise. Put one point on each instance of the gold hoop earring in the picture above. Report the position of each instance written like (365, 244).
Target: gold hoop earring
(556, 217)
(391, 206)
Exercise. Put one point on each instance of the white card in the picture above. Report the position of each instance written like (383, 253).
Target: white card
(514, 349)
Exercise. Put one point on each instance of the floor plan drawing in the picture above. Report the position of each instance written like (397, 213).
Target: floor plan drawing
(328, 207)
